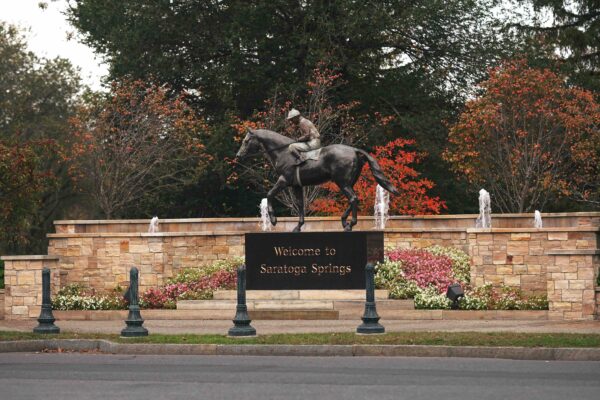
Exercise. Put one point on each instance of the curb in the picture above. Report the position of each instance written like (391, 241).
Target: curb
(105, 346)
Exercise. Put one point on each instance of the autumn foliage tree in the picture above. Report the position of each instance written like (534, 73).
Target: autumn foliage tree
(397, 162)
(527, 138)
(23, 181)
(137, 142)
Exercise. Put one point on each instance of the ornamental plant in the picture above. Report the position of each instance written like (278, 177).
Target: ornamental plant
(424, 268)
(193, 284)
(397, 162)
(528, 137)
(77, 297)
(424, 275)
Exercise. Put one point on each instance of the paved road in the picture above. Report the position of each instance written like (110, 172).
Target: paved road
(100, 376)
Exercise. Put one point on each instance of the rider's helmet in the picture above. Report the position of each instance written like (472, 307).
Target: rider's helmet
(293, 113)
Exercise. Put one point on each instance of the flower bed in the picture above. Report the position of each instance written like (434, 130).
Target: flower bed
(190, 284)
(76, 297)
(424, 275)
(193, 284)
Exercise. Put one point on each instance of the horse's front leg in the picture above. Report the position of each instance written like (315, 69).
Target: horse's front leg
(299, 195)
(279, 186)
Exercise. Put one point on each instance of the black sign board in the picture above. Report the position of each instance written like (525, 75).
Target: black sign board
(310, 260)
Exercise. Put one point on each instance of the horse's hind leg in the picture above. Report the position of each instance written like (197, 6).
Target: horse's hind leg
(299, 195)
(279, 186)
(353, 199)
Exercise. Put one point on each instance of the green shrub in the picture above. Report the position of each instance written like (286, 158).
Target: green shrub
(487, 297)
(430, 299)
(77, 297)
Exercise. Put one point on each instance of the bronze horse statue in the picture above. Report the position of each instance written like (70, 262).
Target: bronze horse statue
(338, 163)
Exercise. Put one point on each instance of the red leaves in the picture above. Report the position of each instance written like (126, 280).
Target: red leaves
(394, 161)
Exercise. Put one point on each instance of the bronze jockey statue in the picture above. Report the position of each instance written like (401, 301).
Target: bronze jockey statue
(309, 139)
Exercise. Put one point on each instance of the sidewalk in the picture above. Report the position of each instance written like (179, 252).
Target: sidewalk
(220, 327)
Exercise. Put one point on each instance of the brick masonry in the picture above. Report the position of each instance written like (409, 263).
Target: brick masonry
(23, 284)
(561, 261)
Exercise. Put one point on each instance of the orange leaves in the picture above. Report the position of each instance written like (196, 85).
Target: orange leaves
(395, 162)
(525, 135)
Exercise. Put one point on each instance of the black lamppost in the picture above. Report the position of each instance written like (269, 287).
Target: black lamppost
(46, 319)
(370, 318)
(134, 320)
(241, 321)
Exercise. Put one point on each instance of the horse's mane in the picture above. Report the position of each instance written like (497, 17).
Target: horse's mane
(274, 136)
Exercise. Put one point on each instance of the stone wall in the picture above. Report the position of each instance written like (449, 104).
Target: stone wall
(571, 284)
(23, 284)
(521, 257)
(102, 260)
(98, 254)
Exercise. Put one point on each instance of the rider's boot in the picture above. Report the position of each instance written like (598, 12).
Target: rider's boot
(299, 157)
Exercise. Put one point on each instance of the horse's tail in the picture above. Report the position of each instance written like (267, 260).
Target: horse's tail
(378, 173)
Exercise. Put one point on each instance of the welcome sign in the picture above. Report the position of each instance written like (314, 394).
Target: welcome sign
(310, 260)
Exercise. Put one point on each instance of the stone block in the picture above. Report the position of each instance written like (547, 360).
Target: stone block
(558, 235)
(517, 248)
(512, 280)
(572, 295)
(505, 270)
(520, 236)
(26, 278)
(561, 284)
(586, 273)
(560, 306)
(572, 315)
(577, 284)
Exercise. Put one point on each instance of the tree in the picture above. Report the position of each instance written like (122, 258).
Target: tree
(23, 181)
(135, 144)
(37, 97)
(527, 138)
(395, 162)
(570, 33)
(416, 60)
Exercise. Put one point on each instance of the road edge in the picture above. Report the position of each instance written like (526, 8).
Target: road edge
(357, 350)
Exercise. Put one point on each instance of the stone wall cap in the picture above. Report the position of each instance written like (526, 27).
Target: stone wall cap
(29, 258)
(335, 218)
(225, 233)
(535, 230)
(560, 252)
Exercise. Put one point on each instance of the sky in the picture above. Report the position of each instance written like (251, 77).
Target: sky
(47, 36)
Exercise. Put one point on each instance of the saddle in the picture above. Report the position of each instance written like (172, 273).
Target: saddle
(308, 155)
(312, 154)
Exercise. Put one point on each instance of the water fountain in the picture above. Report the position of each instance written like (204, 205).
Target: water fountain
(485, 210)
(153, 227)
(265, 222)
(537, 219)
(382, 207)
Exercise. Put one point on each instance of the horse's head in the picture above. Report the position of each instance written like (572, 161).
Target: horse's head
(250, 146)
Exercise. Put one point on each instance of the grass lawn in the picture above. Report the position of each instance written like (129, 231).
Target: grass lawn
(399, 338)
